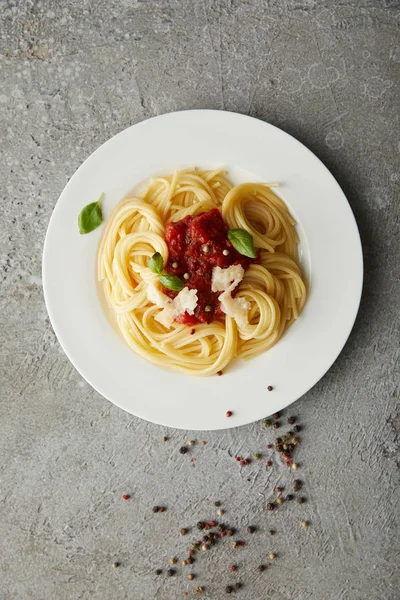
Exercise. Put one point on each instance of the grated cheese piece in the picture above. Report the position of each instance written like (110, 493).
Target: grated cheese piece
(222, 279)
(185, 301)
(235, 307)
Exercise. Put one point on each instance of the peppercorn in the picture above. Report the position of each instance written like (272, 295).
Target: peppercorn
(223, 533)
(297, 428)
(238, 585)
(207, 526)
(221, 527)
(116, 565)
(304, 523)
(277, 425)
(268, 464)
(172, 560)
(190, 560)
(192, 331)
(230, 532)
(278, 441)
(220, 512)
(183, 450)
(269, 445)
(261, 568)
(184, 531)
(297, 483)
(156, 509)
(272, 555)
(256, 456)
(213, 523)
(184, 563)
(162, 509)
(165, 439)
(291, 420)
(279, 500)
(295, 466)
(229, 413)
(270, 506)
(191, 442)
(270, 388)
(289, 497)
(232, 568)
(200, 525)
(208, 308)
(191, 576)
(234, 544)
(171, 572)
(219, 373)
(199, 590)
(217, 504)
(276, 415)
(279, 448)
(301, 500)
(266, 423)
(278, 489)
(285, 446)
(192, 551)
(251, 529)
(295, 441)
(204, 442)
(229, 589)
(271, 532)
(205, 538)
(126, 497)
(205, 547)
(158, 571)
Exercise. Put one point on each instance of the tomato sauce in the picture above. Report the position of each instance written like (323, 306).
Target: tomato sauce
(197, 245)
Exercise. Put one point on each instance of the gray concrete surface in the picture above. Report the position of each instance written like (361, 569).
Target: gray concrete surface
(74, 73)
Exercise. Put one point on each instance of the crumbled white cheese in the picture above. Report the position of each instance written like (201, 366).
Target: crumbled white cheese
(222, 279)
(235, 307)
(185, 301)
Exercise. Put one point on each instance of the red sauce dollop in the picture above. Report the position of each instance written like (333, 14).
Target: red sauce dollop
(196, 244)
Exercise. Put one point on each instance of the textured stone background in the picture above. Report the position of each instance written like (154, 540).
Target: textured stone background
(72, 74)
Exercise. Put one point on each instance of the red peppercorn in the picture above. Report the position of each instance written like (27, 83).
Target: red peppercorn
(233, 568)
(276, 415)
(229, 413)
(269, 445)
(213, 523)
(270, 506)
(278, 489)
(223, 533)
(239, 458)
(270, 388)
(192, 331)
(219, 373)
(241, 543)
(268, 463)
(126, 497)
(162, 509)
(207, 526)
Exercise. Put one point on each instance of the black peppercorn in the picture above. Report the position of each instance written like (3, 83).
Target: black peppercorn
(297, 485)
(297, 428)
(289, 497)
(158, 571)
(205, 538)
(200, 525)
(291, 420)
(183, 450)
(238, 585)
(231, 532)
(277, 425)
(229, 589)
(217, 504)
(171, 572)
(276, 415)
(301, 500)
(261, 568)
(156, 509)
(251, 529)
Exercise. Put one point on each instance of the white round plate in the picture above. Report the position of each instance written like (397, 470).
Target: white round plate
(330, 253)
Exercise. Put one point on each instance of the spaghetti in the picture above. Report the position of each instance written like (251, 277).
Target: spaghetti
(272, 287)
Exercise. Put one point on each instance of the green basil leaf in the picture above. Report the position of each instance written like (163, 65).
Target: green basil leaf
(171, 282)
(243, 242)
(156, 263)
(90, 217)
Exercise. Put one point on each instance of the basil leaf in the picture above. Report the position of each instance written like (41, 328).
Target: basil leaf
(156, 263)
(243, 242)
(90, 217)
(171, 282)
